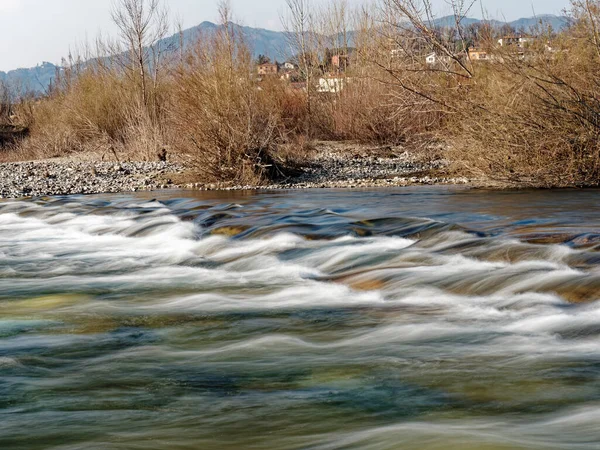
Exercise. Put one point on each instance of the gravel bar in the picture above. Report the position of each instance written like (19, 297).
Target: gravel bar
(332, 165)
(40, 178)
(346, 166)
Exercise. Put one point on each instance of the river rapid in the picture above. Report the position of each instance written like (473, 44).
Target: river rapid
(415, 318)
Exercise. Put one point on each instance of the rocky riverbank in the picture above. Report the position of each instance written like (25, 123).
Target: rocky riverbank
(344, 165)
(331, 165)
(64, 177)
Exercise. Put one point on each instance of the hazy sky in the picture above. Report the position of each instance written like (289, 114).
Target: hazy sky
(32, 31)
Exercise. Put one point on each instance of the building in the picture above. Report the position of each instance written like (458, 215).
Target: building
(331, 84)
(340, 58)
(517, 41)
(339, 62)
(268, 69)
(479, 54)
(433, 58)
(288, 71)
(397, 52)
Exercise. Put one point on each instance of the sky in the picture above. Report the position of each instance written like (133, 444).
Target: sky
(32, 31)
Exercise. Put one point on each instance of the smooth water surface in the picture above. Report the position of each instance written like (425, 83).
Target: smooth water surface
(417, 318)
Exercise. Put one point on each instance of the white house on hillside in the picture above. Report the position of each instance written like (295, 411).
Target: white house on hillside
(433, 59)
(331, 84)
(518, 41)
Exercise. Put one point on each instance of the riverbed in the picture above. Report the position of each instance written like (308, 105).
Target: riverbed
(412, 318)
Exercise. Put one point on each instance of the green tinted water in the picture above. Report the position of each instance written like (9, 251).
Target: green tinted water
(429, 318)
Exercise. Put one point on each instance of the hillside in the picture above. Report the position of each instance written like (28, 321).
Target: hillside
(34, 79)
(274, 44)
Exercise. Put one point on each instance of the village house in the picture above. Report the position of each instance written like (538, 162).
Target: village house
(433, 59)
(479, 54)
(331, 84)
(339, 62)
(288, 71)
(517, 41)
(290, 75)
(396, 51)
(340, 58)
(268, 69)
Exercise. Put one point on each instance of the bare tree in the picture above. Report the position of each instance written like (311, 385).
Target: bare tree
(299, 26)
(333, 29)
(142, 24)
(181, 39)
(416, 20)
(592, 10)
(6, 102)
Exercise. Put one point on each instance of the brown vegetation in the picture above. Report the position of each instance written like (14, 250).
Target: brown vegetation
(220, 120)
(525, 116)
(534, 117)
(530, 114)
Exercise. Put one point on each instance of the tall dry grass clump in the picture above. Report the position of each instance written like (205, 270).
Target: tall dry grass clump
(532, 126)
(383, 99)
(363, 101)
(226, 125)
(96, 111)
(367, 110)
(111, 100)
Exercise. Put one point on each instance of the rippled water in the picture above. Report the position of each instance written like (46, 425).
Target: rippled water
(420, 318)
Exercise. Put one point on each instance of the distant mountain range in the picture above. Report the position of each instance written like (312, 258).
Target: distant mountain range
(557, 23)
(273, 44)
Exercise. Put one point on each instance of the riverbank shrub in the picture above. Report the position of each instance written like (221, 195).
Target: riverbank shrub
(534, 118)
(526, 114)
(93, 109)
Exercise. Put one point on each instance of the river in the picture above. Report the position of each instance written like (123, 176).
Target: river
(414, 318)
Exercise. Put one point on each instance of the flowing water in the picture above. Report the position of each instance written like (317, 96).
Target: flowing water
(417, 318)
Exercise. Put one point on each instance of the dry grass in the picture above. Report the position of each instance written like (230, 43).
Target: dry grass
(368, 111)
(220, 118)
(532, 119)
(527, 116)
(96, 111)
